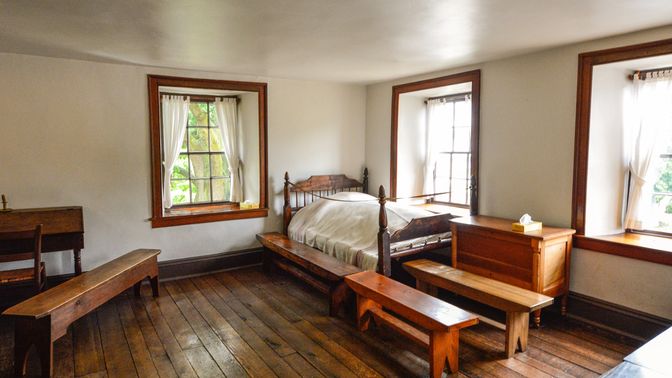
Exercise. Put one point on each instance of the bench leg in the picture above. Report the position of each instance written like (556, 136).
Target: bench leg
(337, 296)
(136, 288)
(426, 288)
(33, 332)
(563, 305)
(517, 327)
(537, 318)
(154, 282)
(363, 315)
(443, 346)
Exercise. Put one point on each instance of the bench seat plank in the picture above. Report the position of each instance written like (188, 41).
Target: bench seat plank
(48, 301)
(494, 293)
(425, 310)
(309, 258)
(515, 301)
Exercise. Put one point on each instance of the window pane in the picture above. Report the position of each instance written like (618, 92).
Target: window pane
(458, 191)
(443, 165)
(200, 191)
(198, 114)
(184, 143)
(179, 191)
(442, 184)
(216, 143)
(462, 139)
(181, 168)
(220, 166)
(443, 135)
(198, 139)
(213, 115)
(460, 165)
(463, 114)
(200, 166)
(221, 189)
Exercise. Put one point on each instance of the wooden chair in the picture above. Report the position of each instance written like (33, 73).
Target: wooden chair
(19, 246)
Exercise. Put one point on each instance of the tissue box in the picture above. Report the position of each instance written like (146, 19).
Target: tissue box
(519, 227)
(249, 205)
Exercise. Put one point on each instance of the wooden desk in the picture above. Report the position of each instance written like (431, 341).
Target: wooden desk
(536, 260)
(63, 228)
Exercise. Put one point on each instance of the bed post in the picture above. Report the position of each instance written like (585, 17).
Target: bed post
(287, 207)
(365, 181)
(384, 263)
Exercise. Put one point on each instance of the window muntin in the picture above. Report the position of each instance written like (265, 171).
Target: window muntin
(453, 143)
(201, 174)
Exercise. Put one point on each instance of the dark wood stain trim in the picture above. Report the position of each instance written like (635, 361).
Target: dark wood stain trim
(624, 250)
(153, 83)
(191, 266)
(464, 77)
(582, 133)
(615, 318)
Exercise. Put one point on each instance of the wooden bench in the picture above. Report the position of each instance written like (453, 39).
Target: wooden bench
(44, 318)
(515, 301)
(375, 293)
(317, 269)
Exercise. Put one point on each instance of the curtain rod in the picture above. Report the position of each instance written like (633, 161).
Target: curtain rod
(201, 97)
(446, 97)
(642, 74)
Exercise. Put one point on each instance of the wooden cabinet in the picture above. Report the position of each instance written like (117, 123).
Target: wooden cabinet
(537, 260)
(63, 228)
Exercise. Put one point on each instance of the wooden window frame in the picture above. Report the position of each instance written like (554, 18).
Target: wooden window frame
(474, 77)
(206, 212)
(627, 244)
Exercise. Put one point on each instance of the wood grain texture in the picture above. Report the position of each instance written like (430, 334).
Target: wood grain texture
(292, 321)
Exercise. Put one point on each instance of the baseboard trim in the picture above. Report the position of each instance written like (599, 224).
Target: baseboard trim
(199, 265)
(615, 318)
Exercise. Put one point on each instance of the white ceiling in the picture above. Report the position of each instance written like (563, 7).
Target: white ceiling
(341, 40)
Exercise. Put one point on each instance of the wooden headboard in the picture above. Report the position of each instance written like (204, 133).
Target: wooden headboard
(302, 193)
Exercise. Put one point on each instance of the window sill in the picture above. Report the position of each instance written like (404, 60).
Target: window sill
(655, 249)
(194, 215)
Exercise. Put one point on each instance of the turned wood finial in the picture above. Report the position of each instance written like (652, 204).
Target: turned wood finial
(287, 207)
(384, 262)
(4, 204)
(365, 181)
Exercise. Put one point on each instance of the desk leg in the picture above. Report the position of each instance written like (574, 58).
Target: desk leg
(78, 261)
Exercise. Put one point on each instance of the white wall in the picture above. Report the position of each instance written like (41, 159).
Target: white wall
(249, 110)
(606, 163)
(411, 146)
(77, 133)
(528, 106)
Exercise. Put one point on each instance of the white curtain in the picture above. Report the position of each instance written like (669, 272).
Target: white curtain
(174, 111)
(439, 117)
(227, 120)
(650, 122)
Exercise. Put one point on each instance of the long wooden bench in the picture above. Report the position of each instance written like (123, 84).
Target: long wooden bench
(377, 293)
(318, 269)
(515, 301)
(44, 318)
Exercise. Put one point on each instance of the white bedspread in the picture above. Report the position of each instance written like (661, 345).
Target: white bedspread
(349, 230)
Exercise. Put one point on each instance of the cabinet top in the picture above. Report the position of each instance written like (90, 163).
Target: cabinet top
(504, 225)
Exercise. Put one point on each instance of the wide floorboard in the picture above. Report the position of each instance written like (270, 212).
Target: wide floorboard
(245, 323)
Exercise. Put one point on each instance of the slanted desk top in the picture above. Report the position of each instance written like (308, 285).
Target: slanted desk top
(62, 228)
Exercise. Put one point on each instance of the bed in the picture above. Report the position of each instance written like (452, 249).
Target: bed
(334, 214)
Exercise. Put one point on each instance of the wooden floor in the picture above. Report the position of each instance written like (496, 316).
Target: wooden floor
(245, 323)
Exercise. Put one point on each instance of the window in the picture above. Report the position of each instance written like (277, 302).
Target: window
(435, 141)
(208, 150)
(452, 142)
(201, 174)
(621, 197)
